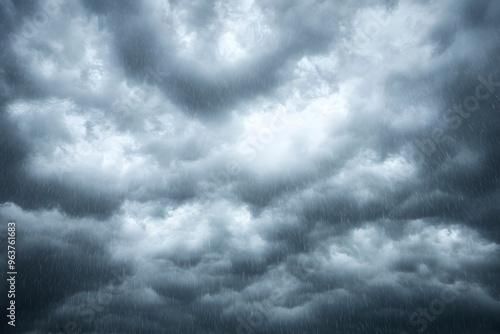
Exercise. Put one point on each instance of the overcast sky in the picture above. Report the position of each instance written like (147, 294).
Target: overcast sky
(253, 166)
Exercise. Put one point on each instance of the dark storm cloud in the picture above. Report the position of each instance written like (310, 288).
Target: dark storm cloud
(446, 188)
(58, 260)
(16, 182)
(20, 187)
(321, 185)
(142, 46)
(14, 76)
(459, 170)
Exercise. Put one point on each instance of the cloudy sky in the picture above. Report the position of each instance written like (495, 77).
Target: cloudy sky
(251, 166)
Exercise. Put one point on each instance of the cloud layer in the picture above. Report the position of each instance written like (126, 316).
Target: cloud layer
(252, 166)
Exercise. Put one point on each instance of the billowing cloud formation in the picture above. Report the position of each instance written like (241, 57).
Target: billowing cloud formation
(252, 166)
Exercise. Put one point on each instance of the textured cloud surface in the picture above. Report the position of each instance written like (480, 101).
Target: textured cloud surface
(251, 166)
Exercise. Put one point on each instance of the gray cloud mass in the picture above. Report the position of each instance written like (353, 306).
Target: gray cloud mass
(251, 166)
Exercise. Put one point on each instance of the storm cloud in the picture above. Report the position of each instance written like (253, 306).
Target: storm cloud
(251, 166)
